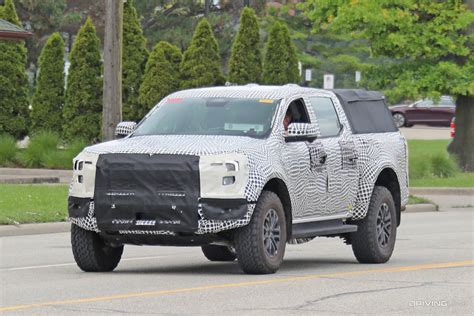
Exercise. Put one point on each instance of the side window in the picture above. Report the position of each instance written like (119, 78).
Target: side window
(296, 113)
(326, 115)
(426, 103)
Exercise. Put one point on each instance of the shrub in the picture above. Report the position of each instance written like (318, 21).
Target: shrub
(8, 149)
(201, 66)
(42, 145)
(245, 64)
(134, 58)
(72, 150)
(442, 166)
(161, 75)
(48, 98)
(83, 106)
(419, 169)
(13, 80)
(280, 64)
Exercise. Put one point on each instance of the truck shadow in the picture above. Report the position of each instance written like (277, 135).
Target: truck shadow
(319, 265)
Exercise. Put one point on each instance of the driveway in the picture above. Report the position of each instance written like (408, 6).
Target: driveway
(426, 132)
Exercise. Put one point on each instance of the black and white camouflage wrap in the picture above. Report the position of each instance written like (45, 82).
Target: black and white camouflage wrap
(338, 187)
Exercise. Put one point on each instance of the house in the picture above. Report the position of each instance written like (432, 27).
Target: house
(10, 31)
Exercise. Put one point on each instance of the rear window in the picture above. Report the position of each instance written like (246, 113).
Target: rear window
(369, 117)
(366, 111)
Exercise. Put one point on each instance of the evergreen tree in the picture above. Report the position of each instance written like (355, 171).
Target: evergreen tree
(48, 99)
(245, 64)
(201, 61)
(134, 57)
(161, 75)
(83, 105)
(13, 80)
(280, 64)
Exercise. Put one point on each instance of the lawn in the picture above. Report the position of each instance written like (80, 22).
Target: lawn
(429, 157)
(32, 203)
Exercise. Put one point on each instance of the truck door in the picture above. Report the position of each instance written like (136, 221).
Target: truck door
(341, 157)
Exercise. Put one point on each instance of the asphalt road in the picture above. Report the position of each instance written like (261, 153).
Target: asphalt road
(431, 272)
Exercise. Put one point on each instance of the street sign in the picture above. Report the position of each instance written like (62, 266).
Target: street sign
(357, 76)
(308, 75)
(328, 81)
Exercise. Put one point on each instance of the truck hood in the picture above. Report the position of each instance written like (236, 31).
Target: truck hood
(176, 144)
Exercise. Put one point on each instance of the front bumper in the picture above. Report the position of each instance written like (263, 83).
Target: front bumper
(214, 215)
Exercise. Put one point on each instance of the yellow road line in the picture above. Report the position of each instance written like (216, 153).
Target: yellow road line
(240, 284)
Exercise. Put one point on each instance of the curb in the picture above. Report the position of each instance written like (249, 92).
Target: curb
(30, 180)
(424, 207)
(442, 191)
(34, 229)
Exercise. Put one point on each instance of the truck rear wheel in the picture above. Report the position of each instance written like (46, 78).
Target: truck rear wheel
(218, 253)
(261, 244)
(91, 253)
(374, 240)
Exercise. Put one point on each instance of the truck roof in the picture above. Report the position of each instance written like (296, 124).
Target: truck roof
(250, 91)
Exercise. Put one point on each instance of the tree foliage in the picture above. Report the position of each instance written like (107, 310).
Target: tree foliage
(13, 80)
(201, 61)
(48, 98)
(83, 105)
(161, 75)
(245, 64)
(134, 57)
(431, 44)
(280, 65)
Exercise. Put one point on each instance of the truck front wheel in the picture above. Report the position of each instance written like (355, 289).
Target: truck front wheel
(374, 240)
(261, 244)
(91, 253)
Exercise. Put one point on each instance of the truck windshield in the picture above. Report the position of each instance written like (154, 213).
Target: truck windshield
(210, 116)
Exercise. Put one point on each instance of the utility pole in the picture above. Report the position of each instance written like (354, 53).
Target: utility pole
(246, 3)
(112, 107)
(207, 4)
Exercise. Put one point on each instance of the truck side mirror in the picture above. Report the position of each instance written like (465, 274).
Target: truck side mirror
(124, 129)
(299, 132)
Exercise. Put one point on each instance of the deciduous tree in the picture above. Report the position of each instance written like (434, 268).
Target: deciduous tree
(431, 43)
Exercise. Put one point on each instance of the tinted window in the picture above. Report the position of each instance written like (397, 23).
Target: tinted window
(326, 116)
(210, 116)
(426, 103)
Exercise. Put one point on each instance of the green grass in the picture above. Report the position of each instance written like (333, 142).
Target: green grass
(431, 166)
(417, 200)
(32, 203)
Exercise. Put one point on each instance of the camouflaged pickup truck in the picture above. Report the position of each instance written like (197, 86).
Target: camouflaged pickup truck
(242, 171)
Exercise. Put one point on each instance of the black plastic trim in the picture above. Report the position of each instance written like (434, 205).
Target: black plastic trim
(322, 228)
(223, 209)
(78, 207)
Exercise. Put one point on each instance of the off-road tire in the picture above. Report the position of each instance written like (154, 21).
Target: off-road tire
(91, 253)
(218, 253)
(365, 243)
(249, 240)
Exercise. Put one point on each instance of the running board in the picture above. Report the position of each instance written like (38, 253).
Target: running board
(321, 228)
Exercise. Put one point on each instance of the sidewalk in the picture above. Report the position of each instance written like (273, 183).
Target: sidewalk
(447, 197)
(23, 175)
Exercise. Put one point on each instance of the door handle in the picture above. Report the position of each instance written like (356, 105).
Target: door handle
(323, 158)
